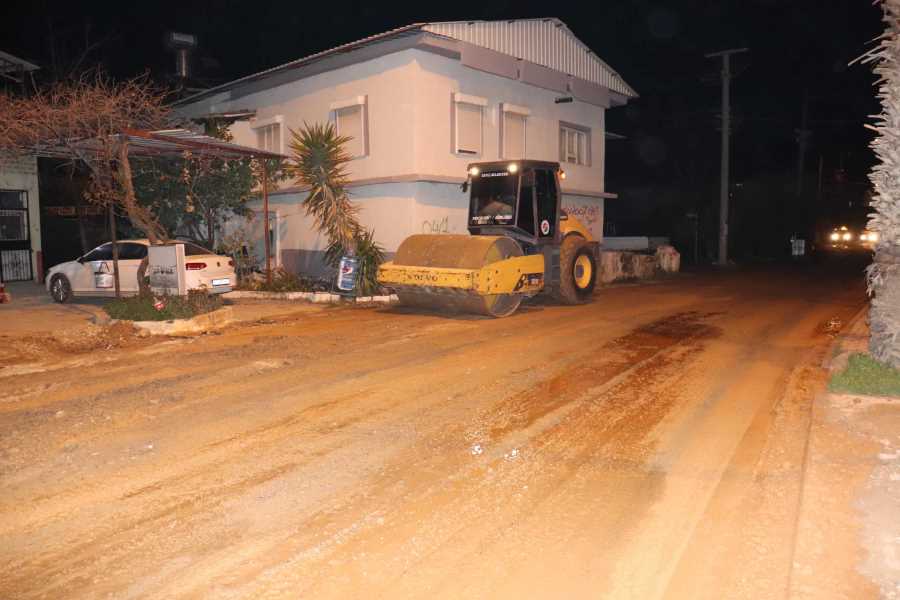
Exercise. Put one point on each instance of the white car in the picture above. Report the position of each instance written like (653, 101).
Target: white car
(92, 274)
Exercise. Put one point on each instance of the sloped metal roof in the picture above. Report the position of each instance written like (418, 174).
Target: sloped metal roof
(546, 41)
(167, 142)
(8, 63)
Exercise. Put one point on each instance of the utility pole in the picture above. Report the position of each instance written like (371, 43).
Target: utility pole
(726, 149)
(802, 139)
(819, 189)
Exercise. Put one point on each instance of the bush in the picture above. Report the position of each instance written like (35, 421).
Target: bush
(142, 308)
(282, 281)
(865, 375)
(369, 254)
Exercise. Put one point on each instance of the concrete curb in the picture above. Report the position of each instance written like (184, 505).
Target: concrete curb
(207, 322)
(314, 297)
(846, 342)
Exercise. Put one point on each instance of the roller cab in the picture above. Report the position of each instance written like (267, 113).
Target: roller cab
(519, 246)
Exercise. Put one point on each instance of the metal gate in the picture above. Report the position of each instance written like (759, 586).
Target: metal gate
(15, 265)
(15, 238)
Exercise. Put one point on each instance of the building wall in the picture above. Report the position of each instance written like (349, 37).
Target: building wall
(409, 112)
(438, 78)
(409, 180)
(389, 209)
(386, 82)
(22, 174)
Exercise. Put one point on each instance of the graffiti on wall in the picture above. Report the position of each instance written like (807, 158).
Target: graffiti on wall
(588, 214)
(436, 225)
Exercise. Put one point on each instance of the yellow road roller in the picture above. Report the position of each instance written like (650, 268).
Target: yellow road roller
(522, 243)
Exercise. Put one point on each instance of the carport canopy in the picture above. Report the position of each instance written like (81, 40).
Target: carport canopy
(175, 143)
(169, 142)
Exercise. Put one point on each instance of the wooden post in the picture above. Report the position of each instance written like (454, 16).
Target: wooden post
(266, 221)
(115, 249)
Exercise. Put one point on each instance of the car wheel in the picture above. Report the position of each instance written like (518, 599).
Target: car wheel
(60, 289)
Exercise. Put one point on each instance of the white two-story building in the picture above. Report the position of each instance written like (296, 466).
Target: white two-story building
(420, 103)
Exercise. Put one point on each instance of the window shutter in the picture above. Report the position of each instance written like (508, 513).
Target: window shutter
(468, 128)
(562, 145)
(350, 123)
(513, 135)
(269, 138)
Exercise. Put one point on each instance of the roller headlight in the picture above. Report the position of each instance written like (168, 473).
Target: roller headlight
(847, 237)
(835, 237)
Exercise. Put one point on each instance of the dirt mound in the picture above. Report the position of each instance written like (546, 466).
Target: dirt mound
(32, 348)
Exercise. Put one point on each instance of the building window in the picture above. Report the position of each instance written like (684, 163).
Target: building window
(269, 134)
(468, 115)
(574, 144)
(13, 216)
(350, 121)
(13, 225)
(513, 120)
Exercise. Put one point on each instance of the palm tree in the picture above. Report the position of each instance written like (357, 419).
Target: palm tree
(319, 161)
(884, 272)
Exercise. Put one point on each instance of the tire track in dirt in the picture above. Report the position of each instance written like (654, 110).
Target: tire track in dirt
(431, 493)
(450, 350)
(213, 497)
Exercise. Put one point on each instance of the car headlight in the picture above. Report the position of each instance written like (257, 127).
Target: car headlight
(847, 237)
(835, 237)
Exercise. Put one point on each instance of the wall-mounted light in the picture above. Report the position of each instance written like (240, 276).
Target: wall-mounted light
(563, 100)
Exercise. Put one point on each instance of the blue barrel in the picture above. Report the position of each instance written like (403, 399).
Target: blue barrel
(348, 271)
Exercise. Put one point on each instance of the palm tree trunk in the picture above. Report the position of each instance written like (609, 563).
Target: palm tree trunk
(884, 272)
(884, 312)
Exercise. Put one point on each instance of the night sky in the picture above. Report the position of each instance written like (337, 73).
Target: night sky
(797, 48)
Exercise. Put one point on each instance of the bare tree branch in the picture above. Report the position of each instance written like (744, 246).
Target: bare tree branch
(82, 119)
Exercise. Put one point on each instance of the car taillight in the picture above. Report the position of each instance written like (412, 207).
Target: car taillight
(195, 266)
(230, 263)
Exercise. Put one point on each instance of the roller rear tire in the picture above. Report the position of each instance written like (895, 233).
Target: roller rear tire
(578, 271)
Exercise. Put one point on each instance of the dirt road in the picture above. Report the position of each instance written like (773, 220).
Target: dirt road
(647, 445)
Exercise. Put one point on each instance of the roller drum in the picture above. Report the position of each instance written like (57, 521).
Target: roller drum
(457, 252)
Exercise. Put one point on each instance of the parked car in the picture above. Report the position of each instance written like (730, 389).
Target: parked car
(92, 274)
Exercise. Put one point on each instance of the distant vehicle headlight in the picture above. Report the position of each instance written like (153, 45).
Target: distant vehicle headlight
(871, 237)
(847, 236)
(835, 237)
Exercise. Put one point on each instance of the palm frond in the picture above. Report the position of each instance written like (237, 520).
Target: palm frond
(319, 162)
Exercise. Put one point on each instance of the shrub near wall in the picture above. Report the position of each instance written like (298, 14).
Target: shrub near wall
(145, 308)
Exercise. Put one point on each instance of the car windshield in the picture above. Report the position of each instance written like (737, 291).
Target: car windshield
(494, 198)
(103, 252)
